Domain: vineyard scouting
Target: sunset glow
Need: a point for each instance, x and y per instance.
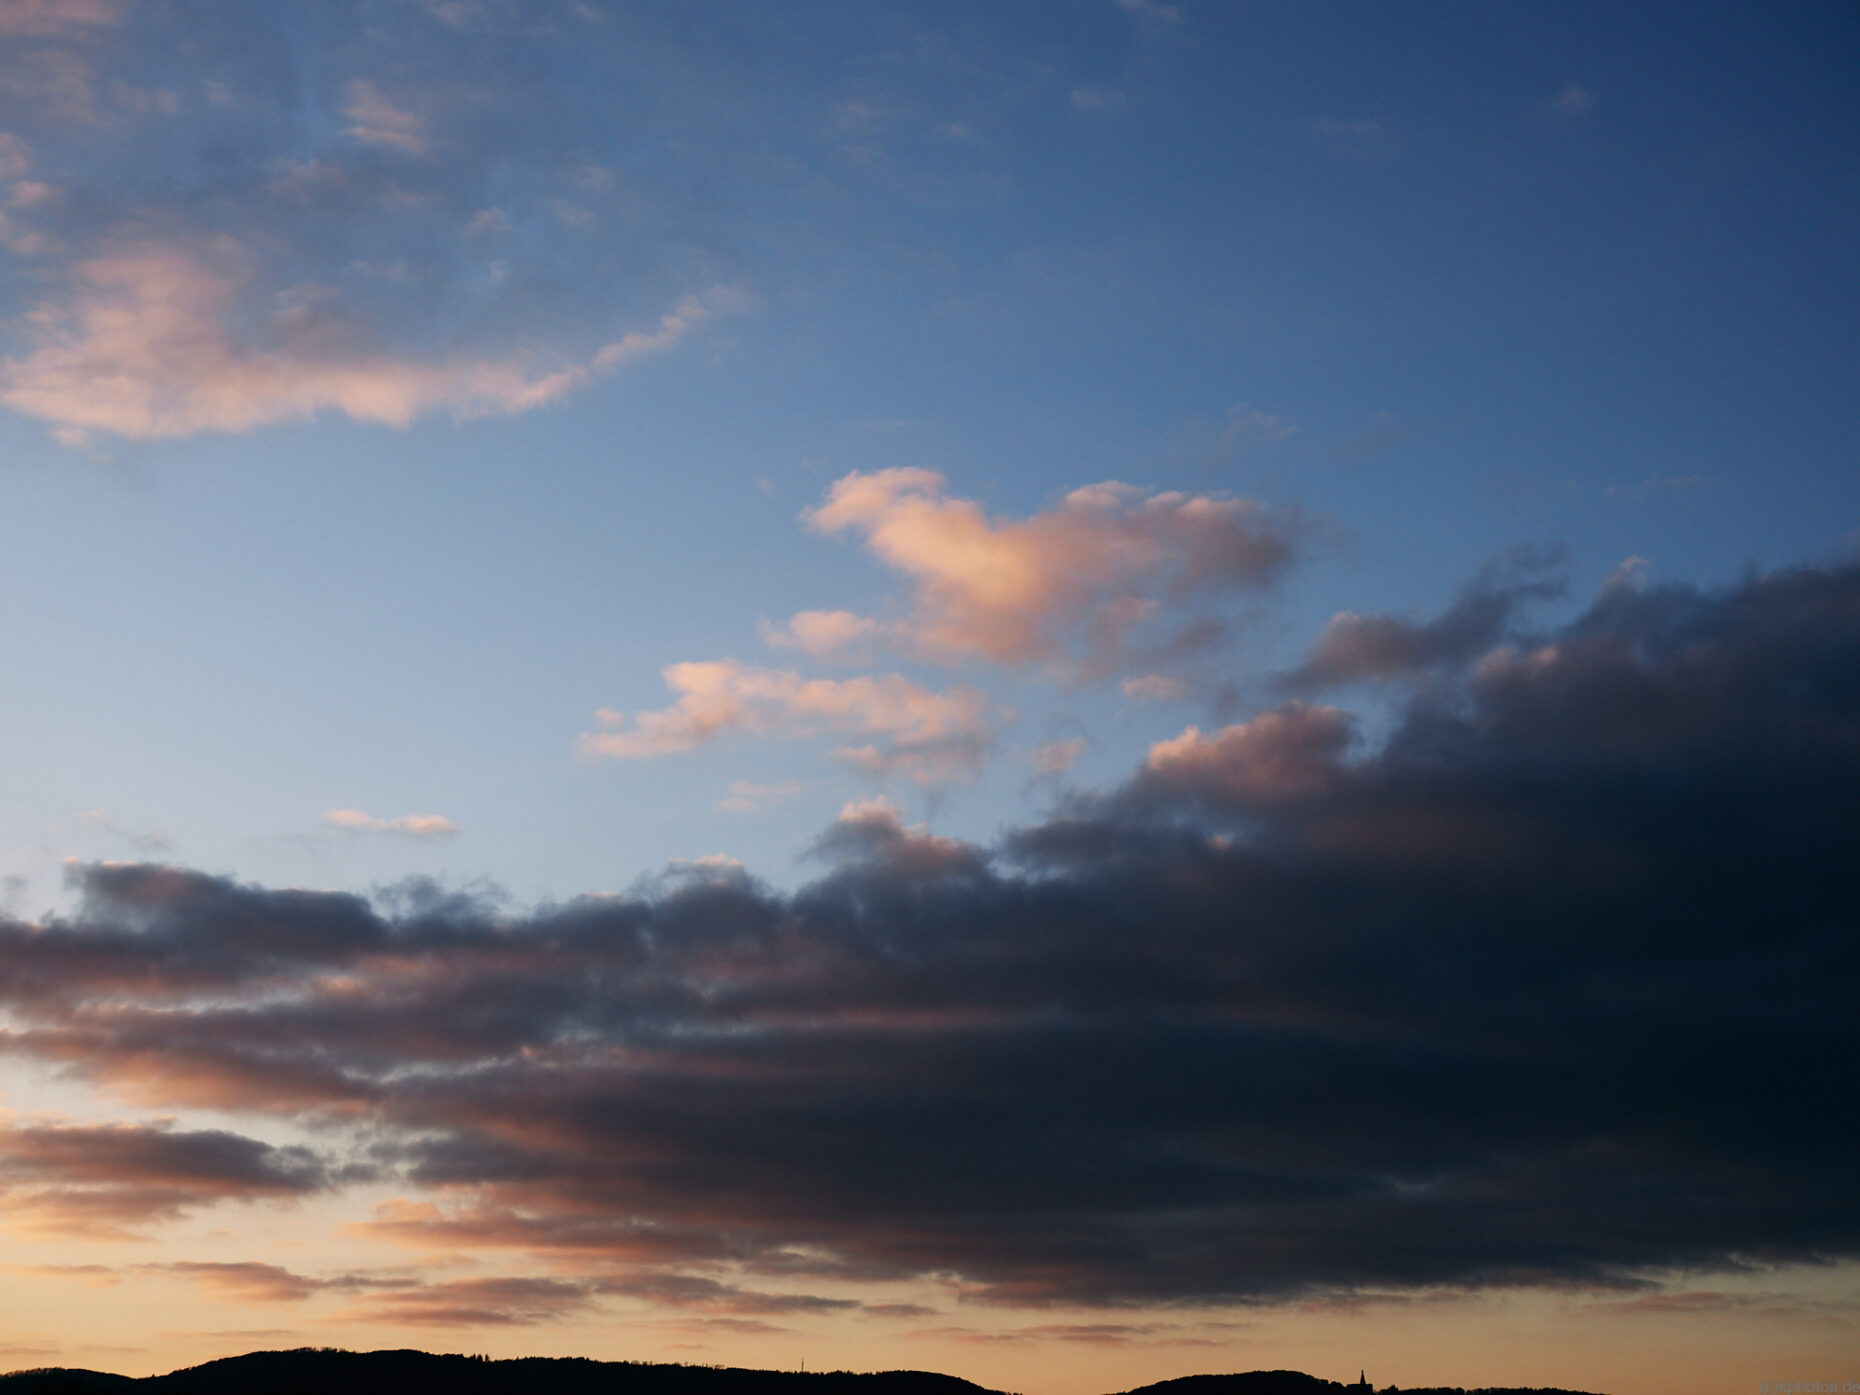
(1070, 693)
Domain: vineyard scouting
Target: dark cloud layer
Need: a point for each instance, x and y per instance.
(1559, 984)
(1356, 648)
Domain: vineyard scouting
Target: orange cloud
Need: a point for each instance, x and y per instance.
(1070, 585)
(95, 1180)
(42, 17)
(1290, 753)
(144, 346)
(415, 825)
(926, 735)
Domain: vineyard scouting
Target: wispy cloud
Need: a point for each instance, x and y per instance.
(142, 840)
(1154, 11)
(1093, 99)
(98, 1180)
(148, 342)
(1362, 138)
(50, 17)
(377, 121)
(927, 735)
(415, 825)
(1354, 647)
(748, 797)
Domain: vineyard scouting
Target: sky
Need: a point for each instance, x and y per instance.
(1069, 692)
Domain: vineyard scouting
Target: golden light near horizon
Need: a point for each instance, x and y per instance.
(1073, 693)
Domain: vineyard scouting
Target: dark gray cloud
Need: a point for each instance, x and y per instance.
(102, 1178)
(1559, 984)
(1354, 647)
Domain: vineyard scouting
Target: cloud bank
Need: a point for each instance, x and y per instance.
(1559, 984)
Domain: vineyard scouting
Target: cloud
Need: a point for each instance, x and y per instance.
(15, 157)
(1574, 100)
(748, 797)
(147, 343)
(1096, 99)
(1056, 757)
(414, 825)
(1157, 687)
(39, 18)
(478, 1302)
(1293, 753)
(821, 633)
(1356, 648)
(1070, 586)
(96, 1180)
(247, 1281)
(1537, 990)
(871, 833)
(926, 735)
(377, 121)
(1368, 138)
(149, 840)
(1153, 11)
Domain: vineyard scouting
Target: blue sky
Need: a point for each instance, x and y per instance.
(389, 390)
(1444, 283)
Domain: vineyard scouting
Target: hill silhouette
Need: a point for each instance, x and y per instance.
(314, 1371)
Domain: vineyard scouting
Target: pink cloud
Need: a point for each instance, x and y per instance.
(414, 825)
(143, 345)
(93, 1181)
(43, 17)
(821, 632)
(924, 734)
(1067, 586)
(1292, 752)
(1056, 757)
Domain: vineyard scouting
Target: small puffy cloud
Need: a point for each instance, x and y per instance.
(1056, 757)
(1096, 99)
(1574, 100)
(15, 157)
(488, 221)
(1068, 586)
(1630, 572)
(377, 121)
(1248, 428)
(1153, 11)
(1291, 753)
(871, 833)
(748, 797)
(926, 735)
(1156, 687)
(1366, 138)
(821, 632)
(155, 339)
(414, 825)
